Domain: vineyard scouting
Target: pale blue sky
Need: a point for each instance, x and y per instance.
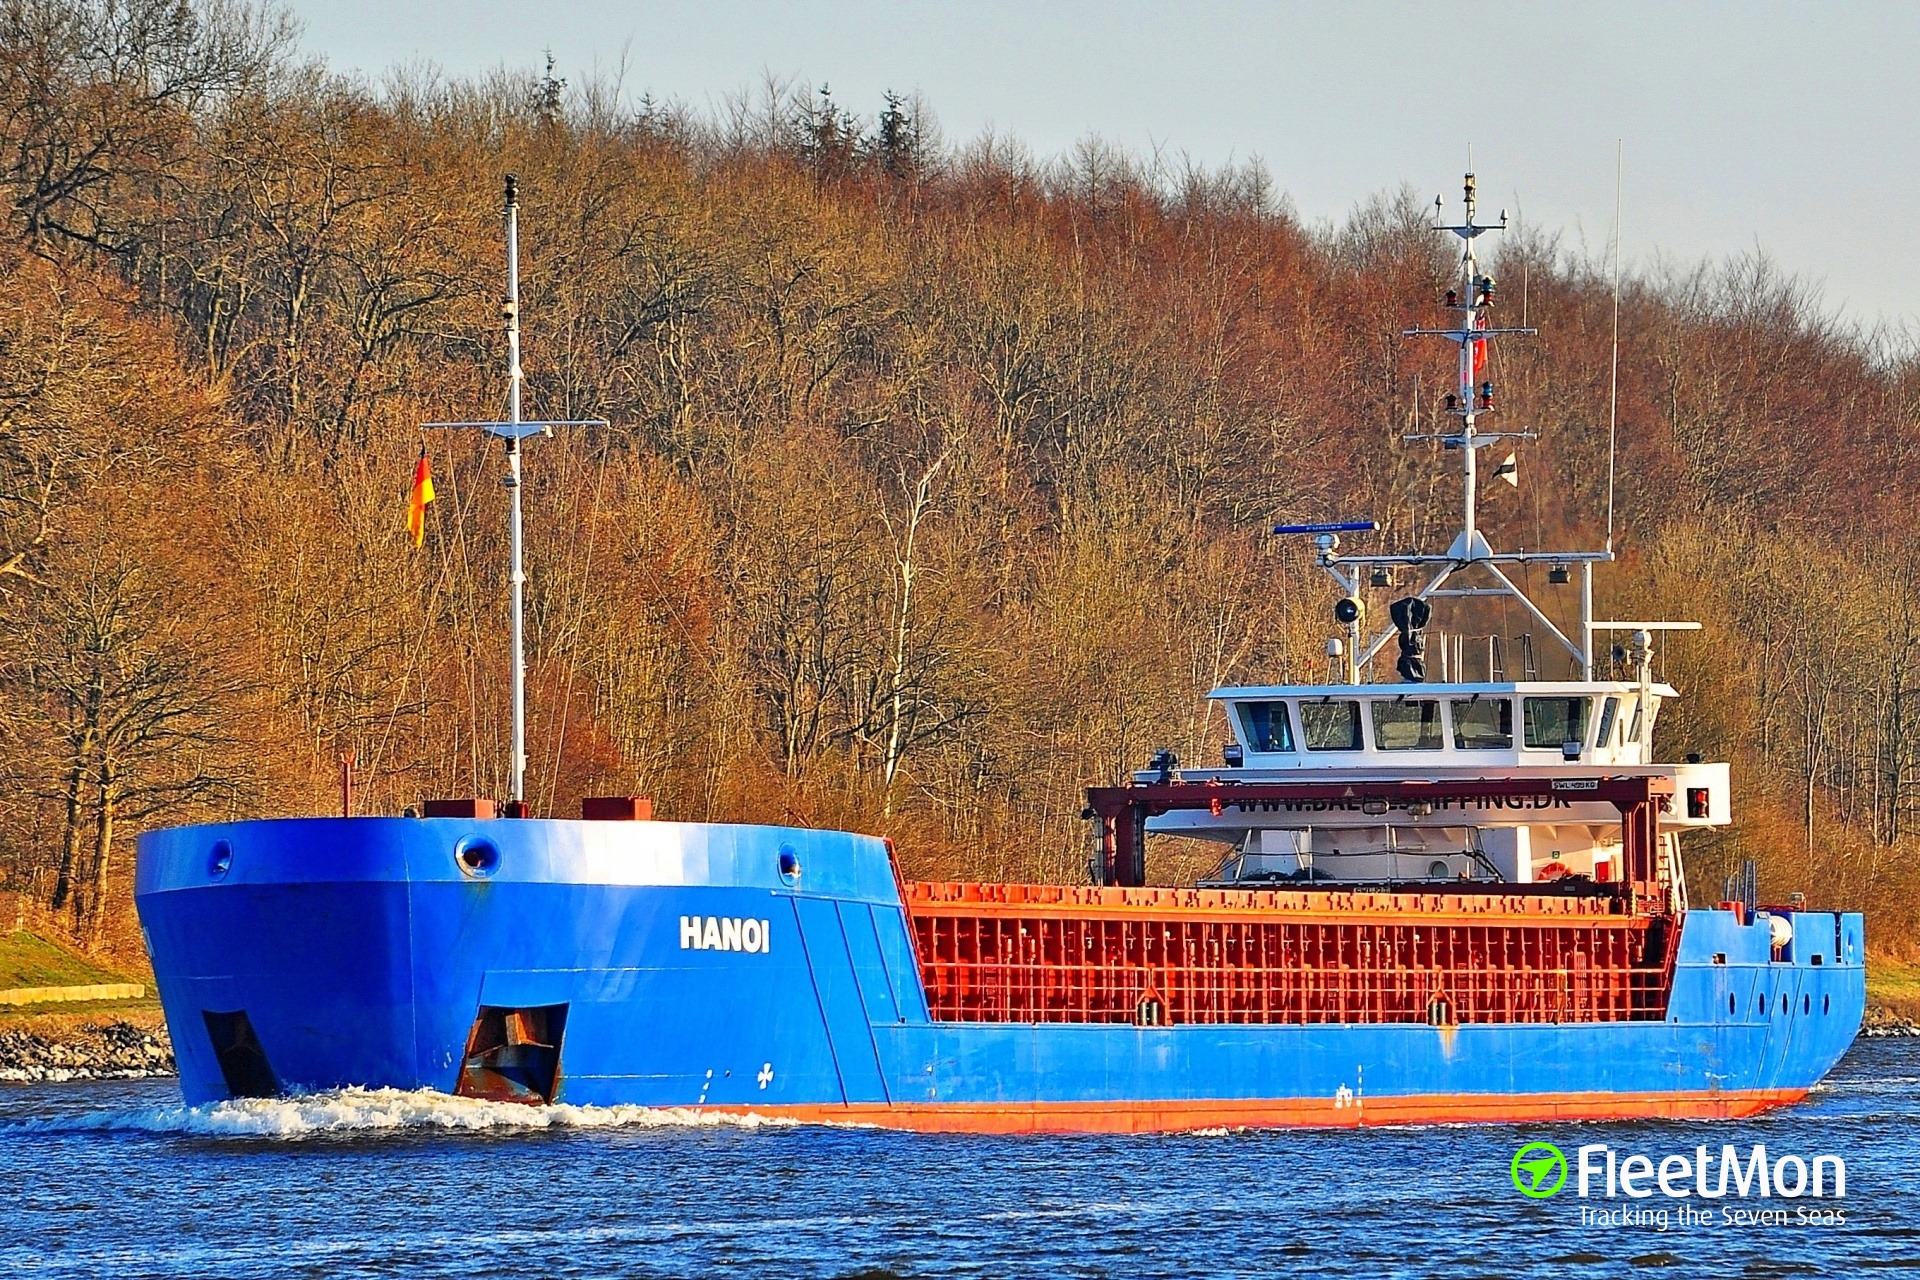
(1792, 127)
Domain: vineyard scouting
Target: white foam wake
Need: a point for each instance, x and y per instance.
(382, 1110)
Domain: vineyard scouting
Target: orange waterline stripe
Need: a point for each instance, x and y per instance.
(1167, 1116)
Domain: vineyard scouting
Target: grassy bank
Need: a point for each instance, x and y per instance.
(27, 960)
(1894, 985)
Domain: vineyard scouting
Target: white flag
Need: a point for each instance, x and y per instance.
(1509, 471)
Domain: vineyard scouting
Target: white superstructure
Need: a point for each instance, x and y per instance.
(1413, 729)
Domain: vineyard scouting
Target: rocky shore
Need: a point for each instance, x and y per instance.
(91, 1051)
(1885, 1022)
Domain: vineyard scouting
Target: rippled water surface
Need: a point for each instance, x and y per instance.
(120, 1180)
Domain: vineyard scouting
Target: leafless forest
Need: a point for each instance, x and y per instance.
(936, 484)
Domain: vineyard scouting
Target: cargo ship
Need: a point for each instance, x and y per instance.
(1437, 900)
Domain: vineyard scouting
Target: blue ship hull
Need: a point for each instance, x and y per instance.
(691, 971)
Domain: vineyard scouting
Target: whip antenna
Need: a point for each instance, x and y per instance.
(1613, 388)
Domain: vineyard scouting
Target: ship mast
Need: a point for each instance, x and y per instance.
(1473, 331)
(517, 573)
(1470, 304)
(513, 430)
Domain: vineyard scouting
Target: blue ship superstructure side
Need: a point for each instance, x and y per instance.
(773, 969)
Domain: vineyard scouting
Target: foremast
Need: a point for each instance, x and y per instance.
(513, 431)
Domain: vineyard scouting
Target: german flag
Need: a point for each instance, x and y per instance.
(422, 495)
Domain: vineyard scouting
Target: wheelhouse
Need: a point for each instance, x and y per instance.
(1444, 734)
(1470, 725)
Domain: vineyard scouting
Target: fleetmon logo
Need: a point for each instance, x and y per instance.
(1539, 1170)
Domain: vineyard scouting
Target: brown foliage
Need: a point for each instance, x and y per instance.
(935, 483)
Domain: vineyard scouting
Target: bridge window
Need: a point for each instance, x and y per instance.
(1407, 724)
(1609, 712)
(1552, 722)
(1330, 725)
(1266, 726)
(1483, 724)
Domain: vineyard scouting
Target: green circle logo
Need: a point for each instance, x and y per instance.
(1538, 1170)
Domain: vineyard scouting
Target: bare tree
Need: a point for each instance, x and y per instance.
(136, 707)
(97, 96)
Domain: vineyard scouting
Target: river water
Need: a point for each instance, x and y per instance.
(118, 1179)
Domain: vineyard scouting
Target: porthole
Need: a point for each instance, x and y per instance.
(1806, 1004)
(1826, 1005)
(477, 857)
(1783, 1002)
(219, 860)
(1760, 1003)
(1730, 1004)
